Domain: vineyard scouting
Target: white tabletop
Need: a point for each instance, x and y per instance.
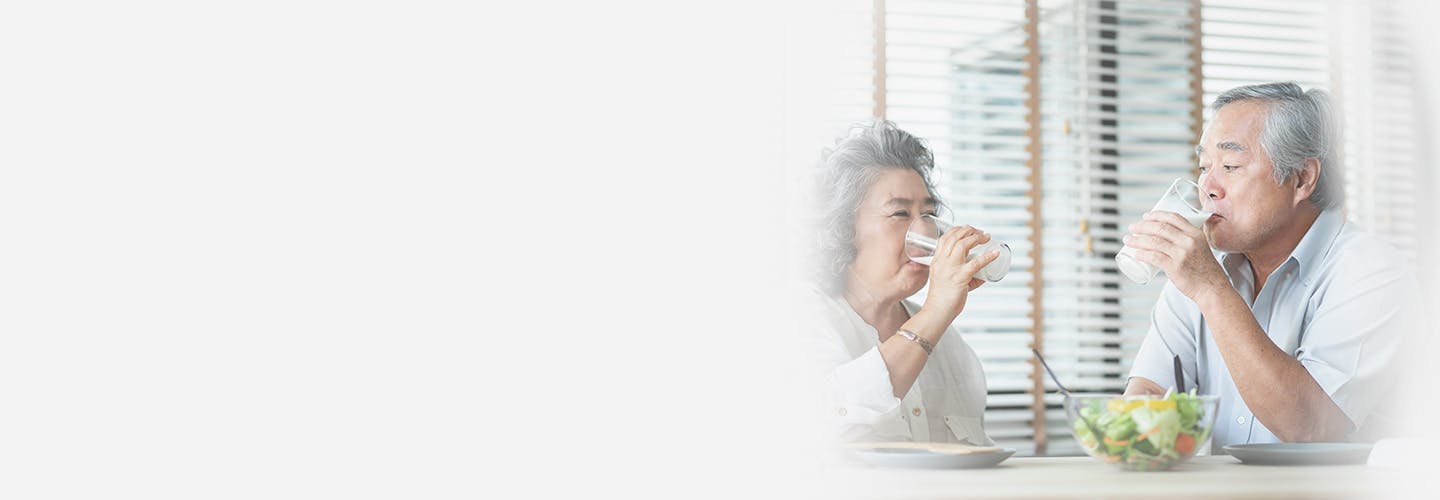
(1211, 478)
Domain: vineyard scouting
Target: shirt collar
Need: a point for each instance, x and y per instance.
(1313, 247)
(1319, 239)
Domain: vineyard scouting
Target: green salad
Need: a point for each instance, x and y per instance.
(1143, 434)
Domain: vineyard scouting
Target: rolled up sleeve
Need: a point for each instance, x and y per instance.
(855, 398)
(863, 401)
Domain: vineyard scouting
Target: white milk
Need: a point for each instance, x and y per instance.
(992, 272)
(1182, 198)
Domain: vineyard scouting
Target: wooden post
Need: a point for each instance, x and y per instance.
(1033, 162)
(1197, 81)
(878, 33)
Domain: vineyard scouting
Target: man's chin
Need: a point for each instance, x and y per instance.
(1221, 243)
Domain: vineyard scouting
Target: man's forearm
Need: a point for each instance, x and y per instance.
(1275, 386)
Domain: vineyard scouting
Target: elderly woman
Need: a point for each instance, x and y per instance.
(894, 370)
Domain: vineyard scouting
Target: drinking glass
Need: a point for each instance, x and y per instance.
(924, 235)
(1183, 197)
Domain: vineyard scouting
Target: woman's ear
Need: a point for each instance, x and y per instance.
(1306, 179)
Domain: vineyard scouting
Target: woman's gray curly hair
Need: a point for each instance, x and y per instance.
(847, 170)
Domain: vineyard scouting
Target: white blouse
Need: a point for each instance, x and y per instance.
(946, 404)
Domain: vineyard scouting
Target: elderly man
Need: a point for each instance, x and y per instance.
(1295, 318)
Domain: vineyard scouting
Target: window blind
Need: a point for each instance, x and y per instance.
(1376, 86)
(1247, 42)
(1117, 104)
(955, 77)
(1359, 52)
(1116, 126)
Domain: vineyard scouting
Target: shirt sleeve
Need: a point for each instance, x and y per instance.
(1172, 332)
(1355, 339)
(857, 402)
(864, 401)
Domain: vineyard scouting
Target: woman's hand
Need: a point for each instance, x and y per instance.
(951, 277)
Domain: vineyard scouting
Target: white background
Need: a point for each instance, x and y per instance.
(403, 249)
(391, 249)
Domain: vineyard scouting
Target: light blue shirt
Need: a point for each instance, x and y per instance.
(1343, 303)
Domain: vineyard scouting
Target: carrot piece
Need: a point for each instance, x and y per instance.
(1144, 435)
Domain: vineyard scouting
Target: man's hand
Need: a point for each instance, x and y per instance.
(1166, 240)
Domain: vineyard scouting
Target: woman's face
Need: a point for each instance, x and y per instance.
(884, 214)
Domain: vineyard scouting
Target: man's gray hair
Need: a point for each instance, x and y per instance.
(1299, 125)
(847, 170)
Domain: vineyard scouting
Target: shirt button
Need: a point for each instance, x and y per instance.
(1239, 420)
(843, 412)
(915, 412)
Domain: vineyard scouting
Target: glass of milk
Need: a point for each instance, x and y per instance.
(1183, 198)
(925, 233)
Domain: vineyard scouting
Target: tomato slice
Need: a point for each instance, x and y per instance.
(1184, 444)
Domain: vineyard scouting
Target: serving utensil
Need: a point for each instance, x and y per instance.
(1094, 431)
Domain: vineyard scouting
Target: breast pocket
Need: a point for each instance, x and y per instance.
(967, 429)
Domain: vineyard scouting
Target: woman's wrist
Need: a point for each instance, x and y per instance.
(944, 313)
(929, 324)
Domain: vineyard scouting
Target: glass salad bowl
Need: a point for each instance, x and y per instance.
(1141, 432)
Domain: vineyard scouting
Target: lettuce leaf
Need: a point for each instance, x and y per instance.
(1162, 426)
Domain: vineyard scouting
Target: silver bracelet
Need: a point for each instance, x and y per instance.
(911, 336)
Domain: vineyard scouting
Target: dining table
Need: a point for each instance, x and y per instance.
(1208, 477)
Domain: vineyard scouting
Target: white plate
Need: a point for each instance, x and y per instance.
(925, 459)
(1301, 453)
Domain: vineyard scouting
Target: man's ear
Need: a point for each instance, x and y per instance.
(1306, 179)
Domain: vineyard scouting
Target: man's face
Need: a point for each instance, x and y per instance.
(1237, 181)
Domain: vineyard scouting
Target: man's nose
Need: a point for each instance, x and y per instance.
(1210, 188)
